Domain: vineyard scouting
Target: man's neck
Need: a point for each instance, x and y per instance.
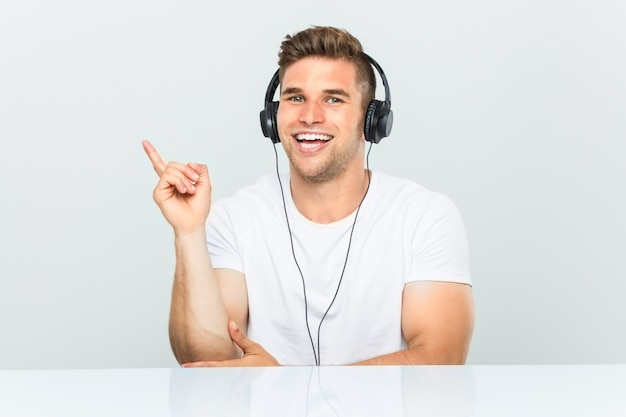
(329, 201)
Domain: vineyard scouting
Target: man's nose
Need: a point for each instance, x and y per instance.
(311, 113)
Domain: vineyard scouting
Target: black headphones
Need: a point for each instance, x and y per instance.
(378, 118)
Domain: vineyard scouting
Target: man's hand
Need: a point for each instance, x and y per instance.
(183, 192)
(253, 353)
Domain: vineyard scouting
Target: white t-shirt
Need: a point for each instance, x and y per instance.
(403, 233)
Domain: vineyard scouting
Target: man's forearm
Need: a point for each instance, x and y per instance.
(198, 319)
(417, 356)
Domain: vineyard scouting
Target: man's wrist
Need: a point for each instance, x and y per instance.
(190, 236)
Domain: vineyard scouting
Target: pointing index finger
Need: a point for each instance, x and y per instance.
(155, 158)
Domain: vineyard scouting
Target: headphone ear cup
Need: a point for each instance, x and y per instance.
(269, 126)
(370, 122)
(378, 121)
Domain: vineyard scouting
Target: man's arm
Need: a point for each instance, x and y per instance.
(437, 324)
(204, 300)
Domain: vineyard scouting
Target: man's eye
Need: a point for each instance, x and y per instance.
(334, 100)
(297, 99)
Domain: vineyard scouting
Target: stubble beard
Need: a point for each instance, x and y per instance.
(336, 164)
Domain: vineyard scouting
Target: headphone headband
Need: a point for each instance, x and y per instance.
(378, 117)
(382, 77)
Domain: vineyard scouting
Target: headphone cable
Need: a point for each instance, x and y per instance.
(317, 353)
(293, 252)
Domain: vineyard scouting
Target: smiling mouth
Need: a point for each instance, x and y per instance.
(312, 140)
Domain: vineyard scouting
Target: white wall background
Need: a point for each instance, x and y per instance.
(515, 109)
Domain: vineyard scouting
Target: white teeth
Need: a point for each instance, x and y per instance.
(309, 145)
(313, 136)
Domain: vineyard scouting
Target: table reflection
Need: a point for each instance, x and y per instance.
(323, 391)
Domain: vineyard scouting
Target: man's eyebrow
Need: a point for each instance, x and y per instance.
(291, 90)
(330, 91)
(337, 92)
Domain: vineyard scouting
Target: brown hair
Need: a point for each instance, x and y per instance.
(329, 42)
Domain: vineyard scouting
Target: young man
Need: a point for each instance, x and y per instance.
(329, 264)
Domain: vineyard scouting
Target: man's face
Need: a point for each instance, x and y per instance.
(320, 118)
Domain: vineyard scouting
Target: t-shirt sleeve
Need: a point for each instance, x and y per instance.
(439, 244)
(221, 240)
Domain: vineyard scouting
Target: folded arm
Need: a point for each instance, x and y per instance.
(437, 324)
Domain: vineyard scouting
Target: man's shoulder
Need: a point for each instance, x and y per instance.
(405, 191)
(401, 187)
(264, 191)
(264, 185)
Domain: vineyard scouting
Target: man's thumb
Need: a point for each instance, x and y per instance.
(239, 337)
